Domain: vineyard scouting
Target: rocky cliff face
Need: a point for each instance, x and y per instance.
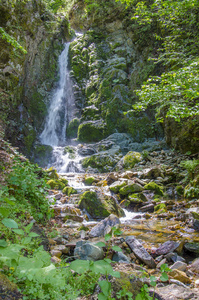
(108, 63)
(27, 79)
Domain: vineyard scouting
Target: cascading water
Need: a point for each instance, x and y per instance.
(61, 111)
(61, 108)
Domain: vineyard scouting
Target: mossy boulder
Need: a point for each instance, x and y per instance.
(160, 208)
(154, 187)
(71, 151)
(130, 188)
(8, 289)
(131, 158)
(92, 131)
(104, 162)
(99, 207)
(52, 173)
(68, 190)
(56, 184)
(116, 186)
(89, 180)
(137, 198)
(72, 128)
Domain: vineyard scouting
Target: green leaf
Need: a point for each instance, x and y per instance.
(18, 231)
(3, 243)
(107, 237)
(4, 211)
(101, 296)
(101, 267)
(28, 227)
(164, 277)
(105, 287)
(100, 244)
(116, 248)
(10, 223)
(80, 266)
(33, 234)
(115, 274)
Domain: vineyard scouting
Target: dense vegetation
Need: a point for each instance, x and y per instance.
(176, 25)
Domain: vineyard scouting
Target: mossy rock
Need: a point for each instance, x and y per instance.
(99, 207)
(131, 188)
(92, 131)
(68, 190)
(8, 289)
(137, 198)
(116, 186)
(52, 173)
(72, 128)
(180, 190)
(56, 184)
(160, 208)
(131, 158)
(89, 180)
(71, 151)
(154, 187)
(63, 180)
(104, 162)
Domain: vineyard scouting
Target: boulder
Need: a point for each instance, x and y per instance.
(194, 267)
(92, 131)
(140, 252)
(177, 292)
(131, 187)
(167, 247)
(8, 289)
(121, 258)
(117, 185)
(88, 251)
(179, 265)
(192, 247)
(131, 158)
(102, 227)
(99, 207)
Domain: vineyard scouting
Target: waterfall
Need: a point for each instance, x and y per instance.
(61, 111)
(62, 106)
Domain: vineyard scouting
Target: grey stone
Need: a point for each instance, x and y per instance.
(147, 208)
(88, 251)
(179, 265)
(167, 247)
(120, 257)
(101, 228)
(140, 252)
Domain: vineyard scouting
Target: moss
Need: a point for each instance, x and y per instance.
(56, 184)
(52, 173)
(93, 205)
(130, 188)
(71, 150)
(29, 140)
(154, 187)
(179, 190)
(89, 180)
(131, 158)
(102, 162)
(137, 198)
(63, 180)
(71, 130)
(91, 131)
(68, 190)
(160, 208)
(116, 186)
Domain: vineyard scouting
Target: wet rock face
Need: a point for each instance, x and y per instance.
(107, 66)
(29, 78)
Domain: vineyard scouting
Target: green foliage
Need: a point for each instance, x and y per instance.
(25, 190)
(174, 25)
(11, 40)
(190, 166)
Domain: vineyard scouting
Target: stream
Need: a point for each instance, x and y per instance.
(134, 222)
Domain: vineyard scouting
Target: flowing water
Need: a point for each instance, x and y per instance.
(61, 111)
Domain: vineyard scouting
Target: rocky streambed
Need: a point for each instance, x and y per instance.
(144, 196)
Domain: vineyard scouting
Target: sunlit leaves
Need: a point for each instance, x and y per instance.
(177, 91)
